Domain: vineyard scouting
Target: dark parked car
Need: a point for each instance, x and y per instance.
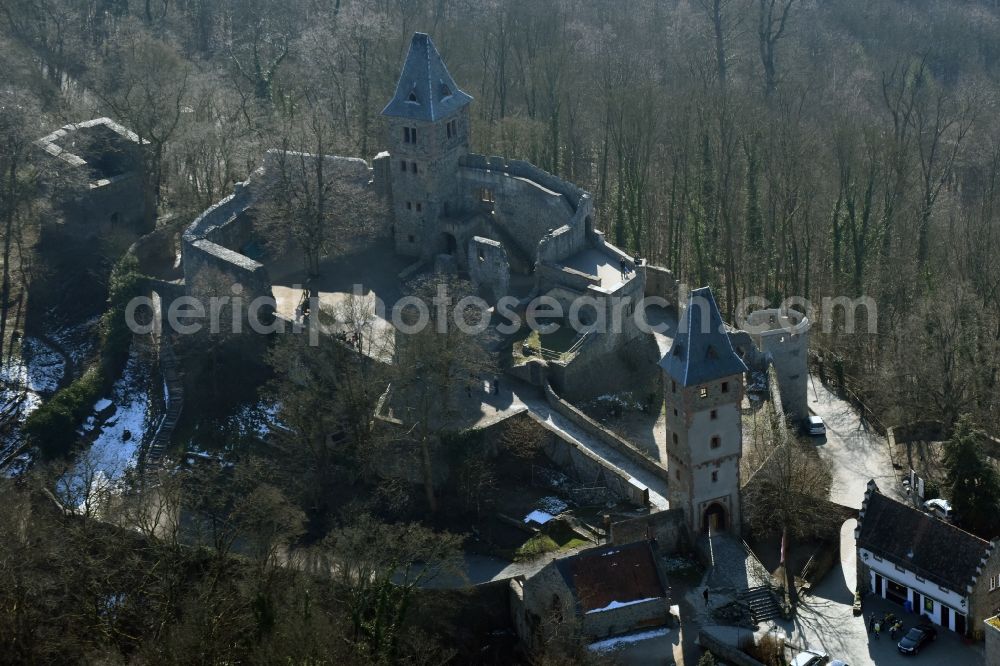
(916, 638)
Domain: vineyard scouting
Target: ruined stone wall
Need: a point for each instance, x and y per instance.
(596, 369)
(660, 282)
(489, 269)
(525, 210)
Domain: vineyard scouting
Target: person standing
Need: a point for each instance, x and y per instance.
(878, 627)
(871, 622)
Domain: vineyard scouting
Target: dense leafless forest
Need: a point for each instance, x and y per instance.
(766, 147)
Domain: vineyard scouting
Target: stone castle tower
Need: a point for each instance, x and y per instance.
(428, 132)
(703, 388)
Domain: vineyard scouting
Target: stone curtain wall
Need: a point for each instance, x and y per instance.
(215, 238)
(598, 431)
(669, 528)
(584, 467)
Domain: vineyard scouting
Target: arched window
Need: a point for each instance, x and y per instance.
(413, 97)
(445, 90)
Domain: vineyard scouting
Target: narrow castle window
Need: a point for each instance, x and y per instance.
(714, 414)
(675, 438)
(673, 387)
(716, 442)
(409, 205)
(725, 387)
(703, 391)
(413, 167)
(486, 195)
(402, 166)
(715, 477)
(419, 206)
(409, 135)
(406, 135)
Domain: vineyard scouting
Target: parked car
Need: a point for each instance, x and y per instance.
(939, 507)
(814, 426)
(916, 638)
(810, 658)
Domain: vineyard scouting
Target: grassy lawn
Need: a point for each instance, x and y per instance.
(558, 538)
(558, 342)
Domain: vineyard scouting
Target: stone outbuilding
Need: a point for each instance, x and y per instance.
(596, 593)
(926, 564)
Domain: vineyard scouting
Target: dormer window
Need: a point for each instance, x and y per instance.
(677, 349)
(412, 97)
(445, 91)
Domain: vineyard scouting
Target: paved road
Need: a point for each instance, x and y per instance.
(856, 452)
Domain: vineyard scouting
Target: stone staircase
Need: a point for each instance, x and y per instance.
(761, 601)
(174, 390)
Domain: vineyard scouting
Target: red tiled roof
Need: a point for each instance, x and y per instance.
(600, 576)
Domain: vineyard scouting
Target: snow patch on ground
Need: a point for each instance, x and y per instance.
(37, 368)
(620, 604)
(620, 641)
(116, 445)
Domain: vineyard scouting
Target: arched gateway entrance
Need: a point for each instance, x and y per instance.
(715, 518)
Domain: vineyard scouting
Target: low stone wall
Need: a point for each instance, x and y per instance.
(729, 653)
(598, 431)
(668, 528)
(991, 629)
(650, 613)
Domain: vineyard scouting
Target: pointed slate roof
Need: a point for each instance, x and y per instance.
(425, 90)
(701, 351)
